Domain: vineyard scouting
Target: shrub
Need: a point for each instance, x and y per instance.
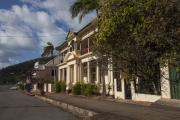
(52, 82)
(58, 87)
(63, 85)
(88, 89)
(77, 88)
(83, 89)
(21, 86)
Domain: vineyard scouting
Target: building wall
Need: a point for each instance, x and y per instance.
(78, 69)
(40, 74)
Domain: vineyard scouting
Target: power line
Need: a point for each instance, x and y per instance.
(35, 36)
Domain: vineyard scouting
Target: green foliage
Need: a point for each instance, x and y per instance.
(88, 89)
(83, 7)
(63, 86)
(58, 87)
(52, 81)
(142, 33)
(77, 89)
(48, 50)
(21, 87)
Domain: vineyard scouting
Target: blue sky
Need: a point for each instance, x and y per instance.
(27, 25)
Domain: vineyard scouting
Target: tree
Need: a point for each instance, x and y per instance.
(49, 50)
(83, 7)
(143, 33)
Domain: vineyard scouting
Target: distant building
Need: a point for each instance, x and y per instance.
(46, 71)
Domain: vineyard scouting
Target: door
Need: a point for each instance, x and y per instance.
(127, 90)
(175, 83)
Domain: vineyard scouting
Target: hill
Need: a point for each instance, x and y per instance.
(15, 73)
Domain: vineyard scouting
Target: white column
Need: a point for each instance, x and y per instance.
(88, 72)
(75, 73)
(97, 74)
(110, 77)
(112, 82)
(68, 82)
(63, 77)
(78, 73)
(165, 83)
(68, 75)
(71, 77)
(123, 88)
(132, 90)
(81, 72)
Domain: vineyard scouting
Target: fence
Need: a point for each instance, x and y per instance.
(148, 87)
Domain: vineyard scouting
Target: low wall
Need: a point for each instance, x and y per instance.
(35, 87)
(145, 97)
(50, 87)
(45, 87)
(119, 94)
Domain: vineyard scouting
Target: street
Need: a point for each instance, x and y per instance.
(15, 105)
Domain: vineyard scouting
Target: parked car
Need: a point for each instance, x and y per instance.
(19, 83)
(14, 88)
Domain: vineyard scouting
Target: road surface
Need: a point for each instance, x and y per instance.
(15, 105)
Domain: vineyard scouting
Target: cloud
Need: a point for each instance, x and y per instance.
(29, 27)
(59, 10)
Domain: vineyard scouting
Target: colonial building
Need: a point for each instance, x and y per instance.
(75, 67)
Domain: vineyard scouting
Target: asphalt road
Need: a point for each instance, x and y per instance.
(15, 105)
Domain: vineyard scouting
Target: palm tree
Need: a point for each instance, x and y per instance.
(83, 7)
(49, 50)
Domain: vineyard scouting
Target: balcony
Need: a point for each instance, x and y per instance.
(85, 51)
(91, 48)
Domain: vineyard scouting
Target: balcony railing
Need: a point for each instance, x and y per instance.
(91, 48)
(85, 51)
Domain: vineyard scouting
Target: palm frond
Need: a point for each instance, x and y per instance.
(76, 8)
(48, 50)
(83, 7)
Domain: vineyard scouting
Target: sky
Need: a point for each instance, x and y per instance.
(27, 25)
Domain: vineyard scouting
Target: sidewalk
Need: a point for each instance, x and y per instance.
(168, 102)
(109, 109)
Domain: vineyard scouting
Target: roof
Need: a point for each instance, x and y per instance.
(73, 33)
(70, 34)
(56, 61)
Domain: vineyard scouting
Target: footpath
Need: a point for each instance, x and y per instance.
(97, 108)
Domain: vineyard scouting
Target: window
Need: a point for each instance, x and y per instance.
(52, 72)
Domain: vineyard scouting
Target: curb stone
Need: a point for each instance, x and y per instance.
(76, 110)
